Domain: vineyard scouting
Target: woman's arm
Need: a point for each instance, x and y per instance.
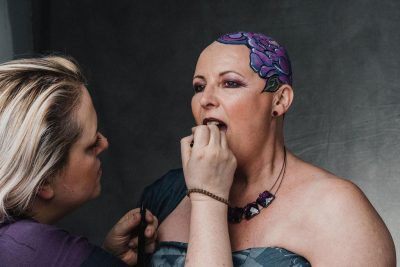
(209, 243)
(209, 165)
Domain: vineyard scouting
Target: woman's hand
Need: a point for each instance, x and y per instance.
(209, 164)
(122, 240)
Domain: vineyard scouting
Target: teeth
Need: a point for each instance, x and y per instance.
(213, 123)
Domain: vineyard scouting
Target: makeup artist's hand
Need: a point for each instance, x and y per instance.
(209, 164)
(122, 240)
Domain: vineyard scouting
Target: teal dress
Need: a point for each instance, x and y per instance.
(162, 197)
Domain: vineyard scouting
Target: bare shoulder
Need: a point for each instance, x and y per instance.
(176, 226)
(348, 231)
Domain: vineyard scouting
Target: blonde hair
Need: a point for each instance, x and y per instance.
(38, 98)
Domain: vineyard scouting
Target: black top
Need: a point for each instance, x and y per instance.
(164, 195)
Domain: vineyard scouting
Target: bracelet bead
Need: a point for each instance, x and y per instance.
(207, 193)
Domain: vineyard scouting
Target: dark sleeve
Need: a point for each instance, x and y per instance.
(164, 195)
(100, 258)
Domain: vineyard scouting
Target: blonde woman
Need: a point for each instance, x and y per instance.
(49, 166)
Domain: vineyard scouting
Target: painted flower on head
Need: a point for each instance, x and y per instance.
(267, 57)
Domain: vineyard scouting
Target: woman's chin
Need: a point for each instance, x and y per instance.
(98, 191)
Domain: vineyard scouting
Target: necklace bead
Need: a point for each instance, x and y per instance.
(251, 210)
(265, 198)
(235, 214)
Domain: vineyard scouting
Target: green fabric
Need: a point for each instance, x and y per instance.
(172, 254)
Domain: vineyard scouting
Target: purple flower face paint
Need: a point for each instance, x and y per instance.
(267, 58)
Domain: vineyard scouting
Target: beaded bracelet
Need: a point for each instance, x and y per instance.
(205, 192)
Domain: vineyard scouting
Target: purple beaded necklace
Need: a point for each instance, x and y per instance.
(235, 214)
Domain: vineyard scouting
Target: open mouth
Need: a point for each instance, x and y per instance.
(212, 121)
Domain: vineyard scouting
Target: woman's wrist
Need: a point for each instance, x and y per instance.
(202, 195)
(198, 199)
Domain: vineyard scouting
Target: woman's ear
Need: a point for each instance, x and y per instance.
(46, 191)
(282, 100)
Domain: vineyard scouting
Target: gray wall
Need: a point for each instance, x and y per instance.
(20, 16)
(140, 55)
(16, 35)
(6, 50)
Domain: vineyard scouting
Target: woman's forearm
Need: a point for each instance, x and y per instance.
(209, 243)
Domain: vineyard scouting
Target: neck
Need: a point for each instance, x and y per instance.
(259, 171)
(261, 164)
(44, 212)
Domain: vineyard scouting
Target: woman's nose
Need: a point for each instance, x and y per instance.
(104, 143)
(208, 98)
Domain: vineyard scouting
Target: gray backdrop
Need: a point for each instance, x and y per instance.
(139, 57)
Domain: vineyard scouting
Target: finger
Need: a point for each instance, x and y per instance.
(133, 243)
(224, 142)
(215, 139)
(154, 221)
(129, 257)
(149, 216)
(186, 149)
(150, 247)
(201, 136)
(150, 232)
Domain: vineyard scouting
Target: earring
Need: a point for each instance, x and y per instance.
(274, 113)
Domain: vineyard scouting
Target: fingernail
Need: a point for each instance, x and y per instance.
(148, 231)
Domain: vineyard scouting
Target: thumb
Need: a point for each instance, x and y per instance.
(186, 149)
(128, 222)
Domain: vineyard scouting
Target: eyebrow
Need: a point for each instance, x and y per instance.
(199, 77)
(229, 71)
(221, 74)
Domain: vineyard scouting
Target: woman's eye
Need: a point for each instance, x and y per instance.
(232, 84)
(198, 88)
